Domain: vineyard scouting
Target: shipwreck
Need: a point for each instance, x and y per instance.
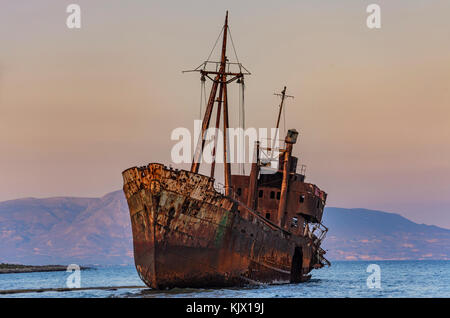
(256, 228)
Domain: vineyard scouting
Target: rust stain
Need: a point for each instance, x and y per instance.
(185, 233)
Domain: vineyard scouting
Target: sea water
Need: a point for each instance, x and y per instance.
(342, 279)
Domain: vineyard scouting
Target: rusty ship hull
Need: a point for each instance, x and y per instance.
(264, 227)
(186, 234)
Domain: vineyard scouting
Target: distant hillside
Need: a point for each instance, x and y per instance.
(98, 231)
(66, 230)
(360, 234)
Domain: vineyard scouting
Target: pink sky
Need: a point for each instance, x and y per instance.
(79, 106)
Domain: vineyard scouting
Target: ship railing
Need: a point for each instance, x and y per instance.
(315, 190)
(214, 66)
(306, 231)
(219, 187)
(316, 232)
(235, 198)
(320, 256)
(270, 152)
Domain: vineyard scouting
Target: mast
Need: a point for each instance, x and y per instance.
(220, 82)
(226, 159)
(220, 78)
(205, 124)
(227, 171)
(283, 96)
(290, 140)
(219, 108)
(253, 182)
(222, 89)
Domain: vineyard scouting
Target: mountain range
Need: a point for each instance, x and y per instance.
(65, 230)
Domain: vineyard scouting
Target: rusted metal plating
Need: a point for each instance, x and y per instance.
(185, 233)
(262, 229)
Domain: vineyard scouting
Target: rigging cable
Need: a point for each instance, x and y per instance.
(215, 44)
(284, 120)
(242, 121)
(234, 48)
(241, 105)
(202, 95)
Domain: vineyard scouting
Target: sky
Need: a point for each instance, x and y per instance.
(79, 106)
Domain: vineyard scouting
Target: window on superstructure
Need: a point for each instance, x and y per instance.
(272, 194)
(302, 198)
(268, 216)
(239, 191)
(261, 192)
(278, 195)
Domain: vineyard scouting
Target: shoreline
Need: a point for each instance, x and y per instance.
(18, 268)
(63, 289)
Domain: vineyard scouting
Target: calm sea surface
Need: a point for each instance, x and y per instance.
(342, 279)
